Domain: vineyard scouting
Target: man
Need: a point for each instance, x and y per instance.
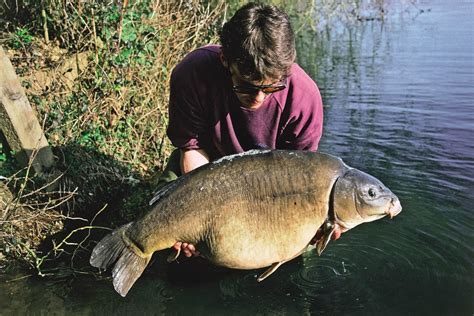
(246, 94)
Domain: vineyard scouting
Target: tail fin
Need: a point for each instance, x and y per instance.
(128, 265)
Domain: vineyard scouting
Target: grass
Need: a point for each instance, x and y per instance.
(97, 76)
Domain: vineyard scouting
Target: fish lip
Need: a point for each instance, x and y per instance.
(395, 208)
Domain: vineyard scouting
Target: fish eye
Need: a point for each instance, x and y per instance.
(372, 192)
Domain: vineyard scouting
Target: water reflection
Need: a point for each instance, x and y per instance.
(400, 106)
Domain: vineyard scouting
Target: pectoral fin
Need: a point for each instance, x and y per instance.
(324, 240)
(270, 270)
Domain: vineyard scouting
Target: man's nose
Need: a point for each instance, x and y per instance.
(259, 96)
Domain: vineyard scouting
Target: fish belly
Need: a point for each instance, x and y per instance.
(255, 235)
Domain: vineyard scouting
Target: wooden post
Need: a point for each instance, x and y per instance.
(18, 121)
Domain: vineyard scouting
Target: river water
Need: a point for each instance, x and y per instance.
(399, 98)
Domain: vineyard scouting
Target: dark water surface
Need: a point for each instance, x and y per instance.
(399, 101)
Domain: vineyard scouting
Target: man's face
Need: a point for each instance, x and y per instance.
(252, 98)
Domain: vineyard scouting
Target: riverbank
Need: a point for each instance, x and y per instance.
(97, 77)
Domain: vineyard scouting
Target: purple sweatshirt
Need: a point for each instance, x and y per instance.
(204, 112)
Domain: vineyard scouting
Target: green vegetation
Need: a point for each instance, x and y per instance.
(21, 38)
(97, 76)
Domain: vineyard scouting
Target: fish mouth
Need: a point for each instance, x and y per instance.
(395, 208)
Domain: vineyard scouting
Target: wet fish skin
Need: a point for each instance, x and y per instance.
(269, 193)
(244, 211)
(361, 198)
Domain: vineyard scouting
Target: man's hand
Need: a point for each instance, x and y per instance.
(188, 249)
(335, 235)
(337, 232)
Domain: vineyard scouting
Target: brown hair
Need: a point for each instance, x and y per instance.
(260, 41)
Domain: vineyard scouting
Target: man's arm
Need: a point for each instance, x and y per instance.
(192, 159)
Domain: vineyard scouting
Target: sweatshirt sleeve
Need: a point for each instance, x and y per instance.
(187, 124)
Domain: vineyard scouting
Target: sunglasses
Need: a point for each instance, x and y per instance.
(249, 88)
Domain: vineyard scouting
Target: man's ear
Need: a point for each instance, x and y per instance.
(223, 59)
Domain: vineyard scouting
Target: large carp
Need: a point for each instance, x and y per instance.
(248, 211)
